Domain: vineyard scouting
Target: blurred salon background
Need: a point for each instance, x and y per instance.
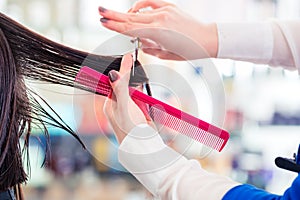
(261, 108)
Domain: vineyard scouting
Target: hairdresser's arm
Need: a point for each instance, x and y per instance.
(274, 43)
(165, 31)
(116, 107)
(169, 33)
(164, 172)
(168, 175)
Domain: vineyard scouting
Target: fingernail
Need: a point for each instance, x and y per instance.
(113, 76)
(101, 9)
(104, 20)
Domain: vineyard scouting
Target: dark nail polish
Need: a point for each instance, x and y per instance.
(101, 9)
(113, 76)
(103, 20)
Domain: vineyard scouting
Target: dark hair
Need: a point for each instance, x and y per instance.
(26, 54)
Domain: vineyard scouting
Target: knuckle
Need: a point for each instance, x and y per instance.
(164, 16)
(127, 26)
(171, 5)
(130, 18)
(170, 9)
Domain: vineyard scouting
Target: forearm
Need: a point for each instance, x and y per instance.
(272, 43)
(144, 154)
(166, 173)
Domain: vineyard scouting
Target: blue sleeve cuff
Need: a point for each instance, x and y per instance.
(249, 192)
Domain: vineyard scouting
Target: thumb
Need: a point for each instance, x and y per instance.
(119, 85)
(148, 3)
(119, 81)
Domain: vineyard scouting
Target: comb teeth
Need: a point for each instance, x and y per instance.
(161, 112)
(188, 129)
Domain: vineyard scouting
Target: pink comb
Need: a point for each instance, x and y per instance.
(165, 114)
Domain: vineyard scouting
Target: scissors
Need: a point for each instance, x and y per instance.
(136, 42)
(289, 164)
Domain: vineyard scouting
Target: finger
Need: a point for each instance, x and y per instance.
(162, 54)
(111, 97)
(152, 48)
(149, 3)
(107, 108)
(144, 11)
(133, 30)
(120, 80)
(126, 17)
(126, 65)
(114, 79)
(143, 107)
(149, 44)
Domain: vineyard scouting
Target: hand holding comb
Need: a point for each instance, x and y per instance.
(165, 114)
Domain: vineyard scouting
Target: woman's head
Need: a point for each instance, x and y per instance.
(27, 55)
(14, 106)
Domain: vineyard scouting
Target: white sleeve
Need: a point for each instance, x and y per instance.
(275, 43)
(166, 173)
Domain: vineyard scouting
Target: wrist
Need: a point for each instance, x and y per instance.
(251, 41)
(214, 43)
(208, 39)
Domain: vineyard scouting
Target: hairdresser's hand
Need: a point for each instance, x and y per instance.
(122, 113)
(165, 31)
